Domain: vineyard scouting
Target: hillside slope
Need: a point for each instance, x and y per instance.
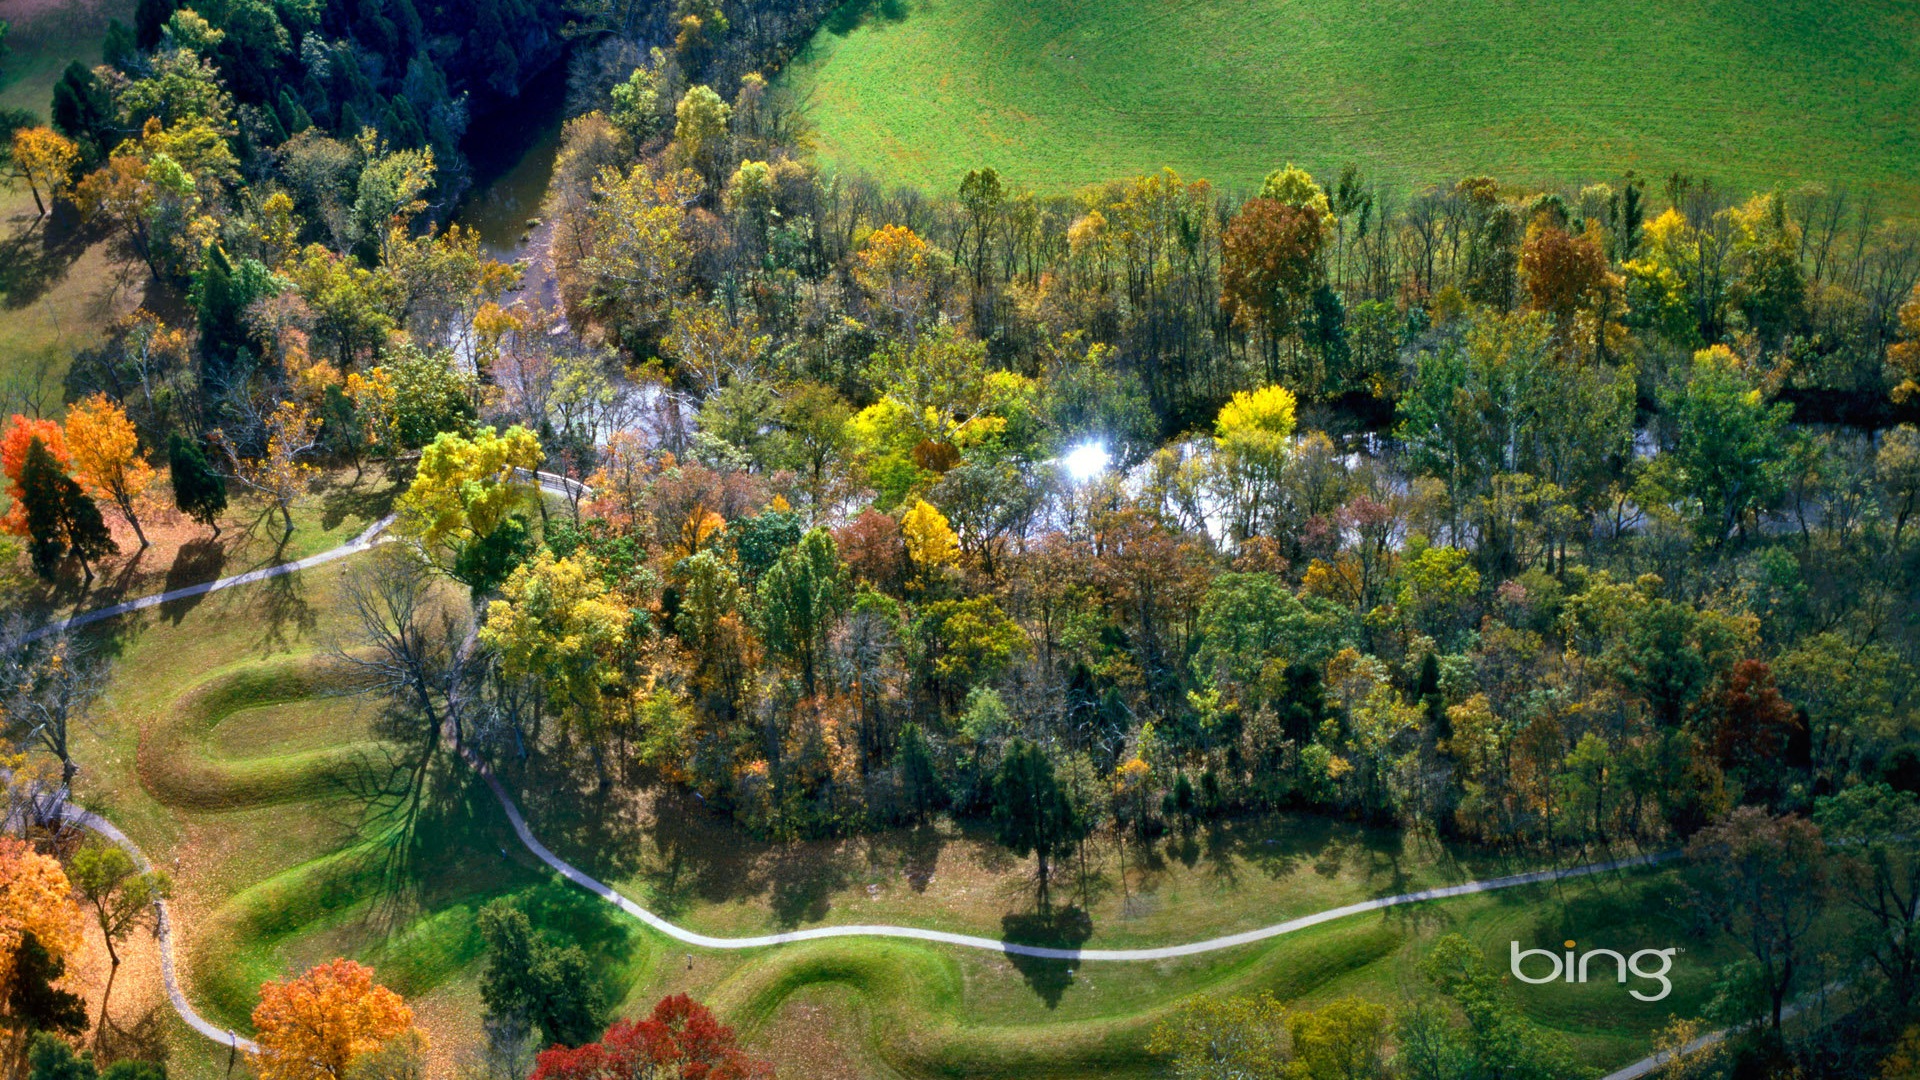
(1060, 93)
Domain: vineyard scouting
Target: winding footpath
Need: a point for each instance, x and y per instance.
(162, 932)
(87, 819)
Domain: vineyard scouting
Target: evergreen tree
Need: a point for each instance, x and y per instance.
(1031, 812)
(920, 785)
(51, 1058)
(83, 111)
(149, 18)
(61, 520)
(34, 1002)
(198, 491)
(1432, 700)
(530, 977)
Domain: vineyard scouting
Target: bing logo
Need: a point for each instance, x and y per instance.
(1575, 967)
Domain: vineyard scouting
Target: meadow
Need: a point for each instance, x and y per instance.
(1057, 94)
(60, 286)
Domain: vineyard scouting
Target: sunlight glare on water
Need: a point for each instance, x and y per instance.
(1086, 461)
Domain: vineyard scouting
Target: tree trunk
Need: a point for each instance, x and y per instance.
(137, 530)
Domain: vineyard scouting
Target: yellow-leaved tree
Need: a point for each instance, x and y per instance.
(558, 623)
(314, 1027)
(465, 487)
(45, 159)
(930, 540)
(106, 455)
(1254, 436)
(278, 472)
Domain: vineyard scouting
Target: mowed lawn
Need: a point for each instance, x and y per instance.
(1057, 94)
(60, 286)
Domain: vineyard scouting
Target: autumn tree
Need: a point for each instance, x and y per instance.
(35, 901)
(198, 491)
(635, 260)
(314, 1027)
(1253, 434)
(559, 626)
(679, 1040)
(1564, 273)
(20, 435)
(60, 519)
(277, 470)
(1269, 268)
(123, 897)
(1215, 1036)
(1904, 354)
(45, 159)
(467, 487)
(700, 132)
(930, 541)
(899, 273)
(106, 455)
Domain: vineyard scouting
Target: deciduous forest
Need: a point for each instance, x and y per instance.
(1538, 525)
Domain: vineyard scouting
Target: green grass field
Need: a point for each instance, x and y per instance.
(59, 287)
(1061, 93)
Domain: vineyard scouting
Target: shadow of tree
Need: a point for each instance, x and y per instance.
(1053, 928)
(916, 851)
(361, 499)
(37, 256)
(196, 562)
(801, 885)
(854, 14)
(284, 612)
(143, 1040)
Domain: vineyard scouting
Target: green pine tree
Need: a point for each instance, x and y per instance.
(198, 491)
(61, 520)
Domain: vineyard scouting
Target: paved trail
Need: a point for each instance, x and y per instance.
(352, 547)
(90, 820)
(163, 931)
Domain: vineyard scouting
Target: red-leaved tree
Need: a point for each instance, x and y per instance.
(680, 1041)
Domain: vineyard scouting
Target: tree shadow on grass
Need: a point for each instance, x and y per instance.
(284, 613)
(362, 500)
(1053, 928)
(197, 562)
(36, 257)
(915, 850)
(854, 14)
(802, 884)
(145, 1039)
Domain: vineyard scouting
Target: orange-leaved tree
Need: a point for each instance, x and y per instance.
(20, 433)
(315, 1026)
(36, 899)
(106, 454)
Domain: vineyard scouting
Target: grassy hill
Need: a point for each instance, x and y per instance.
(1062, 93)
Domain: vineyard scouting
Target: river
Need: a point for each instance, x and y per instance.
(512, 153)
